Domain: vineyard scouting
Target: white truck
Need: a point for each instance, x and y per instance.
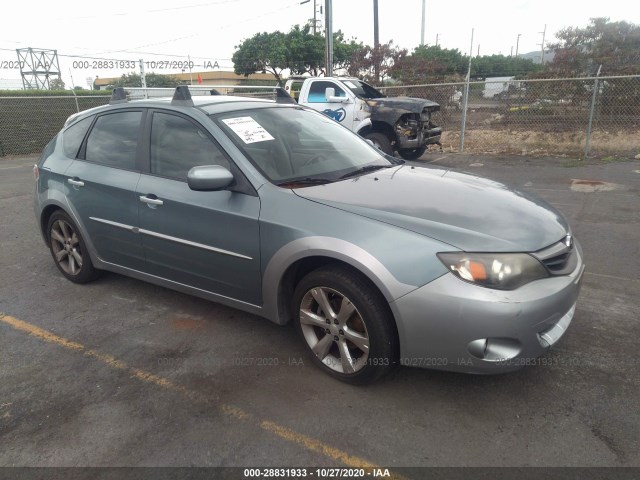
(401, 124)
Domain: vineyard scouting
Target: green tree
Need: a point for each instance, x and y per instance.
(56, 84)
(371, 62)
(153, 80)
(501, 66)
(298, 50)
(430, 63)
(264, 52)
(580, 51)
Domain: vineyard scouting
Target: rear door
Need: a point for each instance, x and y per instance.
(207, 240)
(102, 184)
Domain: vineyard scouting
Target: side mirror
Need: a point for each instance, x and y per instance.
(209, 178)
(330, 96)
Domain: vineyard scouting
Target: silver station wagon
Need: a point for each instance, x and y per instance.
(279, 211)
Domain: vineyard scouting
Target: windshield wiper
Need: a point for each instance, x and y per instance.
(305, 181)
(363, 170)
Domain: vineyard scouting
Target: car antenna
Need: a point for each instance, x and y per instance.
(118, 96)
(182, 96)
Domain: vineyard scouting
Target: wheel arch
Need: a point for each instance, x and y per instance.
(302, 256)
(53, 205)
(46, 214)
(379, 127)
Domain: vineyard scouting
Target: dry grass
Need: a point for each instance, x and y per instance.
(542, 144)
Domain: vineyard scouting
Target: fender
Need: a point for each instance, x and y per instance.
(317, 246)
(363, 124)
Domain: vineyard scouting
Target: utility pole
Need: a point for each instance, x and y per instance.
(424, 6)
(517, 44)
(376, 39)
(542, 44)
(315, 20)
(437, 37)
(466, 97)
(478, 51)
(328, 20)
(143, 80)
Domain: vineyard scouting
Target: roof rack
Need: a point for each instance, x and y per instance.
(281, 94)
(182, 96)
(118, 96)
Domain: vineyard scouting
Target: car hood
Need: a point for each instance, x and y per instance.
(468, 212)
(408, 104)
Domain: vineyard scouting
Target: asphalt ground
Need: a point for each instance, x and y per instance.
(123, 373)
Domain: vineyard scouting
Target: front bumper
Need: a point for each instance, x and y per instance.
(427, 135)
(452, 325)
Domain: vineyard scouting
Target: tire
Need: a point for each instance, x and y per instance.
(68, 249)
(358, 317)
(412, 153)
(381, 142)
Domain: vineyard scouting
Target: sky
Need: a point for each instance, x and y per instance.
(83, 33)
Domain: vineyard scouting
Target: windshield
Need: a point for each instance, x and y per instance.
(362, 89)
(289, 144)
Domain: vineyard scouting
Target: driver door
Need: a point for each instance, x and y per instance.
(340, 112)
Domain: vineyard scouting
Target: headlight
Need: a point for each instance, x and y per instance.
(502, 271)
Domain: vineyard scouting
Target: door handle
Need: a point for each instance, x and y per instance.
(76, 182)
(151, 200)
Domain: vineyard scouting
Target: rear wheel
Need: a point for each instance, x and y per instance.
(412, 153)
(381, 142)
(69, 250)
(345, 324)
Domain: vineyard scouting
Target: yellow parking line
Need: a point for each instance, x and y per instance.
(280, 431)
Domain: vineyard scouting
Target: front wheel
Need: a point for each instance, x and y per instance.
(346, 325)
(381, 142)
(412, 153)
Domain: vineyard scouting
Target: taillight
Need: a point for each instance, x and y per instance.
(36, 172)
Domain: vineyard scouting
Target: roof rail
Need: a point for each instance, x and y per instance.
(118, 96)
(182, 96)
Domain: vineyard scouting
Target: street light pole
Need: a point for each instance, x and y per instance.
(422, 29)
(376, 40)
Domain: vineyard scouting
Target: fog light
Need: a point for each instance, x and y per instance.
(477, 348)
(494, 349)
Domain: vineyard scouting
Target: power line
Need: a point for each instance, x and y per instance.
(156, 10)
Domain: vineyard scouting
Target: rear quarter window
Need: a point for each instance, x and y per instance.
(72, 137)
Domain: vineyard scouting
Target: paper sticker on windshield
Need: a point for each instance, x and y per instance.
(248, 129)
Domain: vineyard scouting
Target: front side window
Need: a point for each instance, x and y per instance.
(318, 89)
(362, 89)
(113, 140)
(177, 145)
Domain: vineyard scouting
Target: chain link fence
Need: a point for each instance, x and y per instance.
(27, 123)
(597, 117)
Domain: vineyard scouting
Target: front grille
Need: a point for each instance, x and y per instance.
(557, 263)
(559, 258)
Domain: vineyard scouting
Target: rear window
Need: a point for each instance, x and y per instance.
(73, 136)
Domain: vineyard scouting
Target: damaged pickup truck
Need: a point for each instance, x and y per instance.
(401, 124)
